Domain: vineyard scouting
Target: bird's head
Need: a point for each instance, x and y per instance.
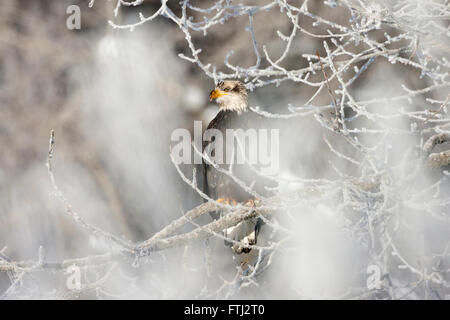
(230, 95)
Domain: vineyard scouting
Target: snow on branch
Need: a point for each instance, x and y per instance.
(384, 191)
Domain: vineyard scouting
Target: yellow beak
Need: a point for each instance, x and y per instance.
(216, 93)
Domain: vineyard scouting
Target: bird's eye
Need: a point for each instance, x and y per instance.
(226, 89)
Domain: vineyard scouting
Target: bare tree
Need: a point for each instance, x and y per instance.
(376, 82)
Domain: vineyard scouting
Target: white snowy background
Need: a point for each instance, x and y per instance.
(357, 192)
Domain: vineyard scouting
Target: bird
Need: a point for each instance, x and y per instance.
(234, 114)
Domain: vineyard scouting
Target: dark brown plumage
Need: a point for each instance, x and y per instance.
(233, 114)
(219, 185)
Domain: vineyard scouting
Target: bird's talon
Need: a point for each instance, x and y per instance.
(252, 202)
(227, 201)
